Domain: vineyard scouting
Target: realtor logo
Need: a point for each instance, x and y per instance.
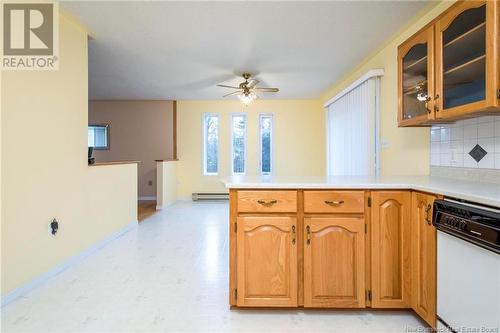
(29, 36)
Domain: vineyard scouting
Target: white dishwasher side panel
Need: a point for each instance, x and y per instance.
(468, 284)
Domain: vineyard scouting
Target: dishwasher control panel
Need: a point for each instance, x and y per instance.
(470, 222)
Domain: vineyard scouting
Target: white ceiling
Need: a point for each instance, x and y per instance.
(181, 50)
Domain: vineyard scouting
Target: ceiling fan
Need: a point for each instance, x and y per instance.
(247, 90)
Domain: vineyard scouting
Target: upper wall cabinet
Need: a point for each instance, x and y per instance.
(416, 77)
(462, 73)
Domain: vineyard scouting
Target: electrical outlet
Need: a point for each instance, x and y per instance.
(384, 144)
(454, 155)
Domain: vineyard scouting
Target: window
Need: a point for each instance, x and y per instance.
(352, 130)
(210, 144)
(266, 143)
(98, 137)
(238, 143)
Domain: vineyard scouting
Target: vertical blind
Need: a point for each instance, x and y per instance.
(352, 131)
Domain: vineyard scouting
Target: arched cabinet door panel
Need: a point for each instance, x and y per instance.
(423, 252)
(334, 265)
(267, 261)
(391, 218)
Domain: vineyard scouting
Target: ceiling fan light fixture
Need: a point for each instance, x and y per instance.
(246, 89)
(247, 98)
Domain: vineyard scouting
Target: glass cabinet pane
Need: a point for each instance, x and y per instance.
(464, 59)
(415, 81)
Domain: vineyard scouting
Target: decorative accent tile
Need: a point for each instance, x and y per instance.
(470, 143)
(478, 153)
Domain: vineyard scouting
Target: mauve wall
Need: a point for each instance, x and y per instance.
(139, 130)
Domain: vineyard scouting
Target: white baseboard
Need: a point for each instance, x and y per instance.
(165, 206)
(147, 197)
(42, 278)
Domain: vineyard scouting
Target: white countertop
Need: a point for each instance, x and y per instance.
(483, 193)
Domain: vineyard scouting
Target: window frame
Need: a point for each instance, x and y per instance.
(266, 115)
(107, 127)
(204, 143)
(244, 115)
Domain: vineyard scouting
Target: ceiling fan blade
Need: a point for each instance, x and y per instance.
(252, 83)
(267, 89)
(225, 86)
(233, 93)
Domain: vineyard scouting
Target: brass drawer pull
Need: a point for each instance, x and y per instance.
(268, 203)
(334, 203)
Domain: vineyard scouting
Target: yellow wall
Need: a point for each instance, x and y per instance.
(45, 172)
(408, 151)
(299, 140)
(166, 183)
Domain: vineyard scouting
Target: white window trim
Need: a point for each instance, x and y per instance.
(244, 115)
(203, 143)
(365, 77)
(272, 143)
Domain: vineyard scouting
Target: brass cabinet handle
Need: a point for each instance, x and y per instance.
(436, 106)
(334, 203)
(308, 229)
(293, 233)
(426, 104)
(267, 203)
(427, 211)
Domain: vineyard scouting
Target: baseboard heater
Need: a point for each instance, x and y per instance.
(210, 196)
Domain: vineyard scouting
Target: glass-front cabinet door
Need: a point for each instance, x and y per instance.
(416, 79)
(466, 59)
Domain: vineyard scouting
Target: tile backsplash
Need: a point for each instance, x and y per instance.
(470, 143)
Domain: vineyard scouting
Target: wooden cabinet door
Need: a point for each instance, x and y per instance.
(334, 265)
(267, 261)
(467, 59)
(390, 227)
(423, 258)
(416, 79)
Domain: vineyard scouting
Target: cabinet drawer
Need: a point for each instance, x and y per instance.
(267, 201)
(334, 201)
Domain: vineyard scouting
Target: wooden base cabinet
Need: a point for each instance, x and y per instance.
(333, 249)
(267, 261)
(423, 252)
(390, 245)
(334, 265)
